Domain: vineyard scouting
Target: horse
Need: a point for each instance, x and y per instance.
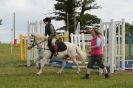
(40, 41)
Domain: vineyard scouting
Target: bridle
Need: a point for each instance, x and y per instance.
(37, 44)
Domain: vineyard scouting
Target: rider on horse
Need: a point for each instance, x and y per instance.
(52, 36)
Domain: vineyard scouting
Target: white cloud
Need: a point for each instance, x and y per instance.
(115, 9)
(16, 4)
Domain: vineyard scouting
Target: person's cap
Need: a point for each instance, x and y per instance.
(47, 19)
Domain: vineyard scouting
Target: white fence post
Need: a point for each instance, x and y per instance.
(111, 46)
(83, 41)
(123, 44)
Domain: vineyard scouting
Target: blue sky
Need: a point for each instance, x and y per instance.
(32, 10)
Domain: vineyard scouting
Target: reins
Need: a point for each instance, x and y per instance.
(37, 44)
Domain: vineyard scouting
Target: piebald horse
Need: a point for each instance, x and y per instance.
(44, 53)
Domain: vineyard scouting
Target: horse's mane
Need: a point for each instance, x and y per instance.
(39, 36)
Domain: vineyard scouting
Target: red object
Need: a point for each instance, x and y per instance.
(15, 41)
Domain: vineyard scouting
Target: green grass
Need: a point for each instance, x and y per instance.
(14, 74)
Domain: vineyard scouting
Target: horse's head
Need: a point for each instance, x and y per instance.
(35, 39)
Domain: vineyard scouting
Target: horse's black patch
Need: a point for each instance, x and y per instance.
(60, 44)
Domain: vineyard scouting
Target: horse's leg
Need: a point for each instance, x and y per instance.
(40, 66)
(62, 66)
(75, 61)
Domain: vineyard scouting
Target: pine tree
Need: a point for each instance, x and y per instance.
(68, 10)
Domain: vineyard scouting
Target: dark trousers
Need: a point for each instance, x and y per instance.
(95, 58)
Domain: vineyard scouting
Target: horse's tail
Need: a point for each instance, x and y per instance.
(82, 54)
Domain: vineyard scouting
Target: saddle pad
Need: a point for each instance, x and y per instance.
(61, 46)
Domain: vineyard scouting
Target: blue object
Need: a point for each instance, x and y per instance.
(58, 63)
(128, 64)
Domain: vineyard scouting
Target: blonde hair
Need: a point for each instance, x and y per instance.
(97, 32)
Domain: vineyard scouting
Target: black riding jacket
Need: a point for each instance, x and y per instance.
(49, 30)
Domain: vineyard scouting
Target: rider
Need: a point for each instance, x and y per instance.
(52, 36)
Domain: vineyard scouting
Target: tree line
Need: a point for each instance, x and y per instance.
(74, 11)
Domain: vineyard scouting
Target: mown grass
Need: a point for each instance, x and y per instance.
(14, 74)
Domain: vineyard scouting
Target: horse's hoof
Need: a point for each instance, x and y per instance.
(59, 72)
(38, 74)
(77, 72)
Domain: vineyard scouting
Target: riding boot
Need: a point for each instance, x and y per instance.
(55, 50)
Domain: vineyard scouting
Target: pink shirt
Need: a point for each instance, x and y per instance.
(96, 50)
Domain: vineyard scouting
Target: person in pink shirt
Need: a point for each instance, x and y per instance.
(96, 53)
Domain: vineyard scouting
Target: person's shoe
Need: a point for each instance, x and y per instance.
(107, 76)
(86, 76)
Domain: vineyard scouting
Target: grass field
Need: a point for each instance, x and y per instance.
(14, 74)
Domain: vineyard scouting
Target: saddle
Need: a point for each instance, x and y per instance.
(61, 46)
